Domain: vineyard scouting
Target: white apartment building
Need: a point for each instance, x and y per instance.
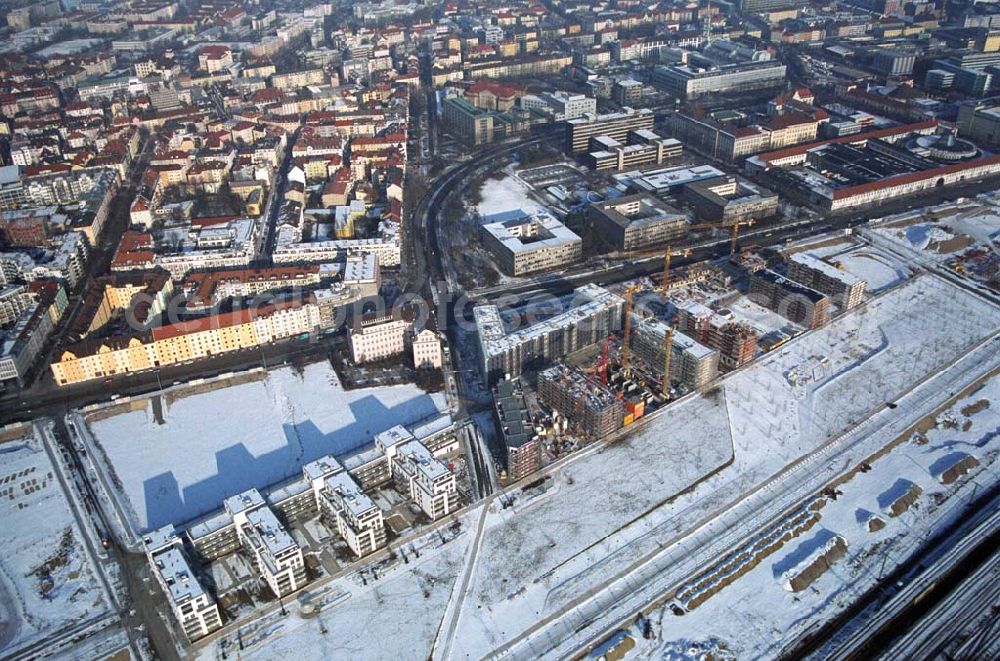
(194, 608)
(377, 338)
(416, 472)
(342, 502)
(426, 348)
(387, 251)
(527, 243)
(275, 554)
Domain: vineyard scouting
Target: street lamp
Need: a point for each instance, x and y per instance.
(159, 384)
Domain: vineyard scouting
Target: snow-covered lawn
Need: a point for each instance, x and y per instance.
(507, 194)
(219, 443)
(879, 270)
(47, 583)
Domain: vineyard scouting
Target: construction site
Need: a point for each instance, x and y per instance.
(676, 335)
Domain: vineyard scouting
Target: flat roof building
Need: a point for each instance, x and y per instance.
(527, 243)
(194, 608)
(511, 415)
(594, 314)
(792, 300)
(844, 288)
(579, 131)
(636, 221)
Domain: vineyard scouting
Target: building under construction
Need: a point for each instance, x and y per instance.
(735, 342)
(692, 364)
(592, 407)
(524, 447)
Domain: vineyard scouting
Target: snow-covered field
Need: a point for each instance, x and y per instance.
(216, 444)
(642, 512)
(608, 510)
(878, 269)
(507, 194)
(47, 583)
(735, 616)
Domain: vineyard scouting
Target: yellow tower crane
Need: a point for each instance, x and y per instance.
(667, 254)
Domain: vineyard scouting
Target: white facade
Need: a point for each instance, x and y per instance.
(275, 554)
(426, 350)
(378, 339)
(416, 473)
(358, 520)
(193, 607)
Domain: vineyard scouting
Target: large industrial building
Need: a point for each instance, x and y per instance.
(594, 314)
(872, 167)
(527, 243)
(845, 289)
(636, 221)
(687, 82)
(579, 131)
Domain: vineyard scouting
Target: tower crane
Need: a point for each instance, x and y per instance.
(667, 254)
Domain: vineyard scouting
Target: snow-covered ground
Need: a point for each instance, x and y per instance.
(735, 616)
(878, 269)
(216, 444)
(607, 510)
(47, 582)
(639, 514)
(394, 617)
(507, 194)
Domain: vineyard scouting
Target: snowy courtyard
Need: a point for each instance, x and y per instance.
(506, 194)
(215, 444)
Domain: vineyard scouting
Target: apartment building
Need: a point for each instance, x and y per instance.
(195, 610)
(512, 418)
(312, 252)
(735, 342)
(845, 289)
(374, 338)
(525, 243)
(207, 288)
(469, 122)
(789, 298)
(416, 473)
(595, 410)
(579, 131)
(276, 556)
(426, 347)
(345, 506)
(692, 364)
(635, 221)
(593, 314)
(182, 341)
